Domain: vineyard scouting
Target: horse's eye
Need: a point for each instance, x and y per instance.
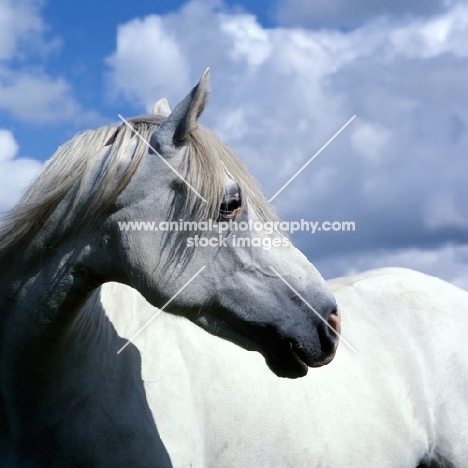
(231, 206)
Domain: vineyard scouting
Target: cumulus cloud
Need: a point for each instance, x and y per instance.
(15, 172)
(164, 62)
(399, 171)
(20, 22)
(371, 141)
(27, 92)
(444, 33)
(37, 97)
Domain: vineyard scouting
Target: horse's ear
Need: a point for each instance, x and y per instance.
(176, 129)
(161, 107)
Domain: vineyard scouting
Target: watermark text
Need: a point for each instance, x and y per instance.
(267, 227)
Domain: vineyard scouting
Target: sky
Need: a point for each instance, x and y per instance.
(286, 76)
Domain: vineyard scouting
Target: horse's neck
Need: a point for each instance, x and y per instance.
(44, 292)
(45, 287)
(46, 283)
(57, 397)
(60, 373)
(45, 330)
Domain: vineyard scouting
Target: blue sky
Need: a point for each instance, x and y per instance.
(286, 75)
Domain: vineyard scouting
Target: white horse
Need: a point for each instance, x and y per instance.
(181, 397)
(67, 398)
(398, 402)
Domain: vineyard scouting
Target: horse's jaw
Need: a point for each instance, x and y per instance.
(285, 354)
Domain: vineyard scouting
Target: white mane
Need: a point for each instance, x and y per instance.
(102, 156)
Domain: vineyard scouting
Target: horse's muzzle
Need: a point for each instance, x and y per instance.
(329, 335)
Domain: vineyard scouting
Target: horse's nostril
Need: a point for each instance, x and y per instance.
(335, 322)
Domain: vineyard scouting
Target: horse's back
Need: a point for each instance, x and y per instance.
(397, 399)
(409, 330)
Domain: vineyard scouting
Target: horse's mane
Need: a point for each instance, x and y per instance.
(68, 173)
(105, 160)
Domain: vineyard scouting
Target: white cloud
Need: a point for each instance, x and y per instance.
(446, 33)
(251, 42)
(19, 21)
(8, 145)
(27, 92)
(163, 63)
(15, 172)
(371, 141)
(37, 97)
(279, 94)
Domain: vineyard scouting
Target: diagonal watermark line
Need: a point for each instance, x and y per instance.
(312, 309)
(312, 158)
(148, 144)
(161, 309)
